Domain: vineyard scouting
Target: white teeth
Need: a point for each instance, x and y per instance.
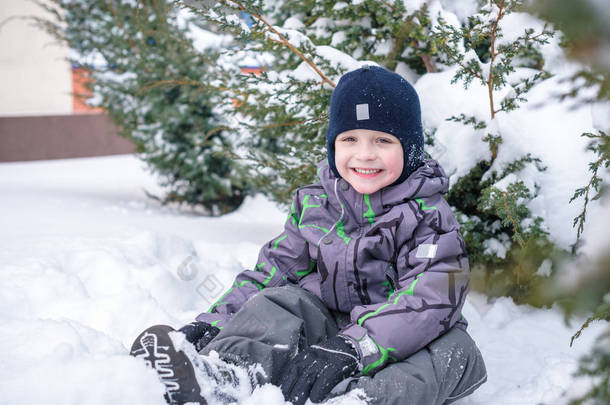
(367, 171)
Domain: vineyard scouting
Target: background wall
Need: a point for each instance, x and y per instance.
(35, 75)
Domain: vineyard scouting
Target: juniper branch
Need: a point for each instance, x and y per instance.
(594, 182)
(285, 42)
(490, 80)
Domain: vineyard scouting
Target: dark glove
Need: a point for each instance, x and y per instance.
(199, 333)
(316, 370)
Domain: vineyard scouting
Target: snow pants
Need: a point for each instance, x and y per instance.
(278, 322)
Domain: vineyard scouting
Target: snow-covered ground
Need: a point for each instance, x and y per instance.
(87, 261)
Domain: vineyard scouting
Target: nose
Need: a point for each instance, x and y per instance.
(366, 151)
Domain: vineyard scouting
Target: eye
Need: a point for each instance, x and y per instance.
(385, 140)
(348, 139)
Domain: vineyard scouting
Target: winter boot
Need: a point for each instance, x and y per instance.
(175, 370)
(188, 376)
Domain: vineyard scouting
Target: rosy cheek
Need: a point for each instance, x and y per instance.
(395, 162)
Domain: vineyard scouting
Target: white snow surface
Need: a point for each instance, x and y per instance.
(88, 261)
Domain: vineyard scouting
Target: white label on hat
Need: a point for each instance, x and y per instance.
(426, 251)
(362, 112)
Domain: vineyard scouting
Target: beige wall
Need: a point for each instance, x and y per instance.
(35, 77)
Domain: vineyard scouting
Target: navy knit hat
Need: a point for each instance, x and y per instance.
(375, 98)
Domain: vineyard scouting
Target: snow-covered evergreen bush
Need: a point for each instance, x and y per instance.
(152, 81)
(491, 199)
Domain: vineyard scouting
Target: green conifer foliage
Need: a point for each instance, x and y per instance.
(507, 245)
(282, 117)
(596, 365)
(152, 83)
(586, 38)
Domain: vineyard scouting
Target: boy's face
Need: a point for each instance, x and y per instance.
(368, 160)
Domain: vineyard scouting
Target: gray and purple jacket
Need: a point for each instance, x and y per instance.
(393, 260)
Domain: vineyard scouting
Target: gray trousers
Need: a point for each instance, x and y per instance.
(278, 322)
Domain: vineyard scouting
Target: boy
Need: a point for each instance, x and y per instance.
(364, 287)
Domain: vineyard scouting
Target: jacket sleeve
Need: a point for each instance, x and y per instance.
(279, 261)
(433, 280)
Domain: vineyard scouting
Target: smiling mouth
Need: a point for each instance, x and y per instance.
(366, 172)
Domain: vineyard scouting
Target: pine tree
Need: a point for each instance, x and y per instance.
(153, 84)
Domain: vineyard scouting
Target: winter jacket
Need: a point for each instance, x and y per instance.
(393, 260)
